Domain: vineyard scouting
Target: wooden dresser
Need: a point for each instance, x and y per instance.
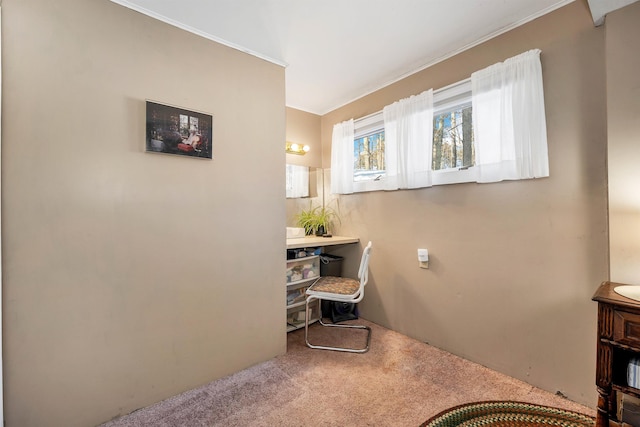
(618, 343)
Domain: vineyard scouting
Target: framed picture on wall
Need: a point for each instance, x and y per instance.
(174, 130)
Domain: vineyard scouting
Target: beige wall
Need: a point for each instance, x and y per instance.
(129, 276)
(513, 265)
(623, 129)
(304, 128)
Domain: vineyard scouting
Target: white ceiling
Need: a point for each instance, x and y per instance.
(336, 51)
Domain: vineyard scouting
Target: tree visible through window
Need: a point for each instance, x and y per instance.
(453, 139)
(369, 161)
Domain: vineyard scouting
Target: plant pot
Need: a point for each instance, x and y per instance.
(320, 231)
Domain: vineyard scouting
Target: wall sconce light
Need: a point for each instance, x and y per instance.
(293, 148)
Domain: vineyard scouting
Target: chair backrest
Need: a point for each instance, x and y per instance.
(363, 272)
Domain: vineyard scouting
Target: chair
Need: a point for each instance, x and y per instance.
(340, 289)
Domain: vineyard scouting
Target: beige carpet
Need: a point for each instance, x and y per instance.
(399, 382)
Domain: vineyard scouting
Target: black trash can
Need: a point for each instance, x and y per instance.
(331, 265)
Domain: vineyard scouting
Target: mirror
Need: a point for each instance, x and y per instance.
(303, 182)
(297, 181)
(315, 195)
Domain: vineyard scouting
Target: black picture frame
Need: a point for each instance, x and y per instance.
(178, 131)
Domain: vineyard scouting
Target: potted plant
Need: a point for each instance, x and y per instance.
(317, 220)
(306, 220)
(324, 218)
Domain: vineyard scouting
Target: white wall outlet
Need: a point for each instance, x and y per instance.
(423, 258)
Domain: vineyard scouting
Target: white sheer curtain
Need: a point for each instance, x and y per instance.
(510, 130)
(342, 158)
(297, 181)
(408, 133)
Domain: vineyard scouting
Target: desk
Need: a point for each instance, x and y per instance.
(316, 241)
(618, 342)
(307, 271)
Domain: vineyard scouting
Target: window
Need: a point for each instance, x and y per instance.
(453, 139)
(453, 150)
(187, 124)
(453, 129)
(453, 156)
(368, 149)
(488, 128)
(369, 160)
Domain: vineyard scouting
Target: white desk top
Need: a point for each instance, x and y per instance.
(314, 241)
